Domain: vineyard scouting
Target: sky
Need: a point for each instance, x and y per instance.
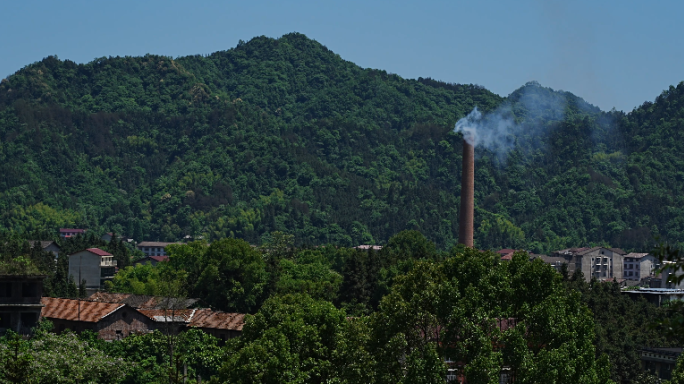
(614, 54)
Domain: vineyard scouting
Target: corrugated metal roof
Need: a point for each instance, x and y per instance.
(164, 315)
(141, 301)
(76, 310)
(206, 318)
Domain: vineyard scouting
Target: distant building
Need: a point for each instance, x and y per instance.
(93, 265)
(506, 253)
(639, 266)
(107, 236)
(153, 248)
(20, 304)
(111, 321)
(47, 246)
(66, 233)
(553, 261)
(141, 301)
(660, 361)
(154, 260)
(657, 296)
(218, 324)
(600, 263)
(114, 316)
(366, 247)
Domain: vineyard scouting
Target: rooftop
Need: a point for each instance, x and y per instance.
(140, 301)
(76, 310)
(71, 230)
(98, 252)
(154, 244)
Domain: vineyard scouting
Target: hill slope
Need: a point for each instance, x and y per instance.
(282, 134)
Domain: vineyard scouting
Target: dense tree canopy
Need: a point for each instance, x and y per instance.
(284, 135)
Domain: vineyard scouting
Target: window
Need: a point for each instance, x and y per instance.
(29, 290)
(29, 319)
(5, 320)
(5, 289)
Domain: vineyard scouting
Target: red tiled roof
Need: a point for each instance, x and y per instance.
(98, 252)
(68, 309)
(76, 230)
(140, 301)
(505, 251)
(158, 258)
(206, 318)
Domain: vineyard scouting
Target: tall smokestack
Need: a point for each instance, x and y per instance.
(465, 230)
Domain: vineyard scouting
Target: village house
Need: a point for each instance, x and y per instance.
(154, 260)
(66, 233)
(20, 303)
(153, 248)
(93, 265)
(111, 321)
(222, 325)
(639, 266)
(129, 314)
(47, 246)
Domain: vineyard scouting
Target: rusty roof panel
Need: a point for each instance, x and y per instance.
(76, 310)
(206, 318)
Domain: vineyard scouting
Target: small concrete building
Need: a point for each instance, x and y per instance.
(66, 233)
(600, 263)
(154, 260)
(660, 361)
(47, 246)
(20, 304)
(93, 265)
(638, 266)
(153, 248)
(657, 296)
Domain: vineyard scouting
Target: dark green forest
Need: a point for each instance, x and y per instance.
(285, 135)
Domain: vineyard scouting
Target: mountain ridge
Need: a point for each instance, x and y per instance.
(283, 134)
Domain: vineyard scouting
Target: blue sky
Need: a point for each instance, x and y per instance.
(612, 53)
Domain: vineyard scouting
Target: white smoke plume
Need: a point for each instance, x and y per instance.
(494, 131)
(498, 131)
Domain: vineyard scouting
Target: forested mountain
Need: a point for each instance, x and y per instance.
(283, 134)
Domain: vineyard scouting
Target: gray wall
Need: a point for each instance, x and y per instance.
(89, 266)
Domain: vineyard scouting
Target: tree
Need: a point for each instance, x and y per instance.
(292, 339)
(15, 359)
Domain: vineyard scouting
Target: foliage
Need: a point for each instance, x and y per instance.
(292, 339)
(284, 135)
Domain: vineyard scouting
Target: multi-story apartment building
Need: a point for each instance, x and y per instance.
(598, 262)
(20, 302)
(153, 248)
(93, 265)
(639, 265)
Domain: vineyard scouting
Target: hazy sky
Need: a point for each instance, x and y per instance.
(612, 53)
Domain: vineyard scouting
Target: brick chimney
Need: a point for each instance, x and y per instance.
(467, 212)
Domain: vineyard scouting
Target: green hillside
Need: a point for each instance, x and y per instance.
(283, 134)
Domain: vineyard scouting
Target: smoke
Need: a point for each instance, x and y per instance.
(495, 131)
(499, 131)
